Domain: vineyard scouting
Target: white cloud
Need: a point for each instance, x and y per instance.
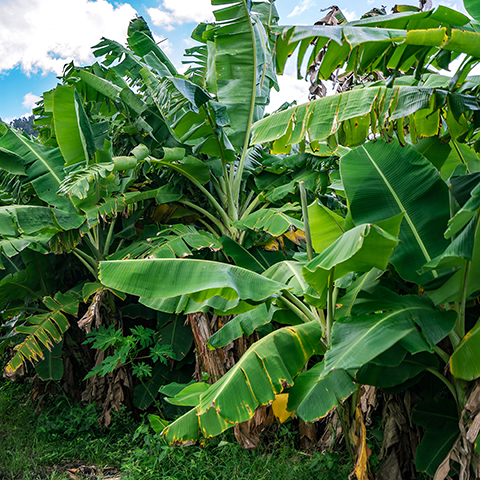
(190, 42)
(29, 100)
(177, 12)
(350, 16)
(165, 44)
(290, 89)
(301, 7)
(43, 35)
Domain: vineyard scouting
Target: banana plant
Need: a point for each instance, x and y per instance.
(422, 189)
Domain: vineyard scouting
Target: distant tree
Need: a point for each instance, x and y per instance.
(25, 124)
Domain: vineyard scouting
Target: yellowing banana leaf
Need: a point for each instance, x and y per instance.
(200, 279)
(313, 396)
(353, 114)
(265, 369)
(359, 249)
(382, 180)
(44, 329)
(279, 408)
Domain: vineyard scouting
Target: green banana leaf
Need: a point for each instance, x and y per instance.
(178, 336)
(44, 168)
(11, 162)
(465, 362)
(387, 377)
(434, 323)
(72, 128)
(272, 220)
(184, 304)
(200, 279)
(358, 249)
(265, 369)
(52, 367)
(452, 289)
(440, 420)
(473, 8)
(189, 396)
(326, 226)
(234, 77)
(243, 324)
(313, 396)
(358, 340)
(350, 114)
(382, 180)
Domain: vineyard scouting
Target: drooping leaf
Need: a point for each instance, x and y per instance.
(52, 367)
(200, 279)
(265, 369)
(272, 220)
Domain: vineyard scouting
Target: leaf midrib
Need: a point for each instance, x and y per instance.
(404, 210)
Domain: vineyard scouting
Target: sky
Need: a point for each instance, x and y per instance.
(38, 37)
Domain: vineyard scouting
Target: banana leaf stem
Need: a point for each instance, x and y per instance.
(246, 203)
(91, 244)
(331, 301)
(109, 239)
(86, 257)
(87, 265)
(445, 381)
(204, 212)
(297, 311)
(301, 306)
(441, 353)
(306, 222)
(463, 303)
(251, 207)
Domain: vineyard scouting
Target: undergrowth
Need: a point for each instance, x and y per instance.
(45, 444)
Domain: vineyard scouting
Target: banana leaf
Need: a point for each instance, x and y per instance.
(265, 369)
(382, 180)
(200, 279)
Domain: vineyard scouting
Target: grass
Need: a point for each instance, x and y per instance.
(46, 445)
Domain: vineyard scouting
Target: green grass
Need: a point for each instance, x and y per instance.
(44, 444)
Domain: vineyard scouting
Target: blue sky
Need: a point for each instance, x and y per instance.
(37, 37)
